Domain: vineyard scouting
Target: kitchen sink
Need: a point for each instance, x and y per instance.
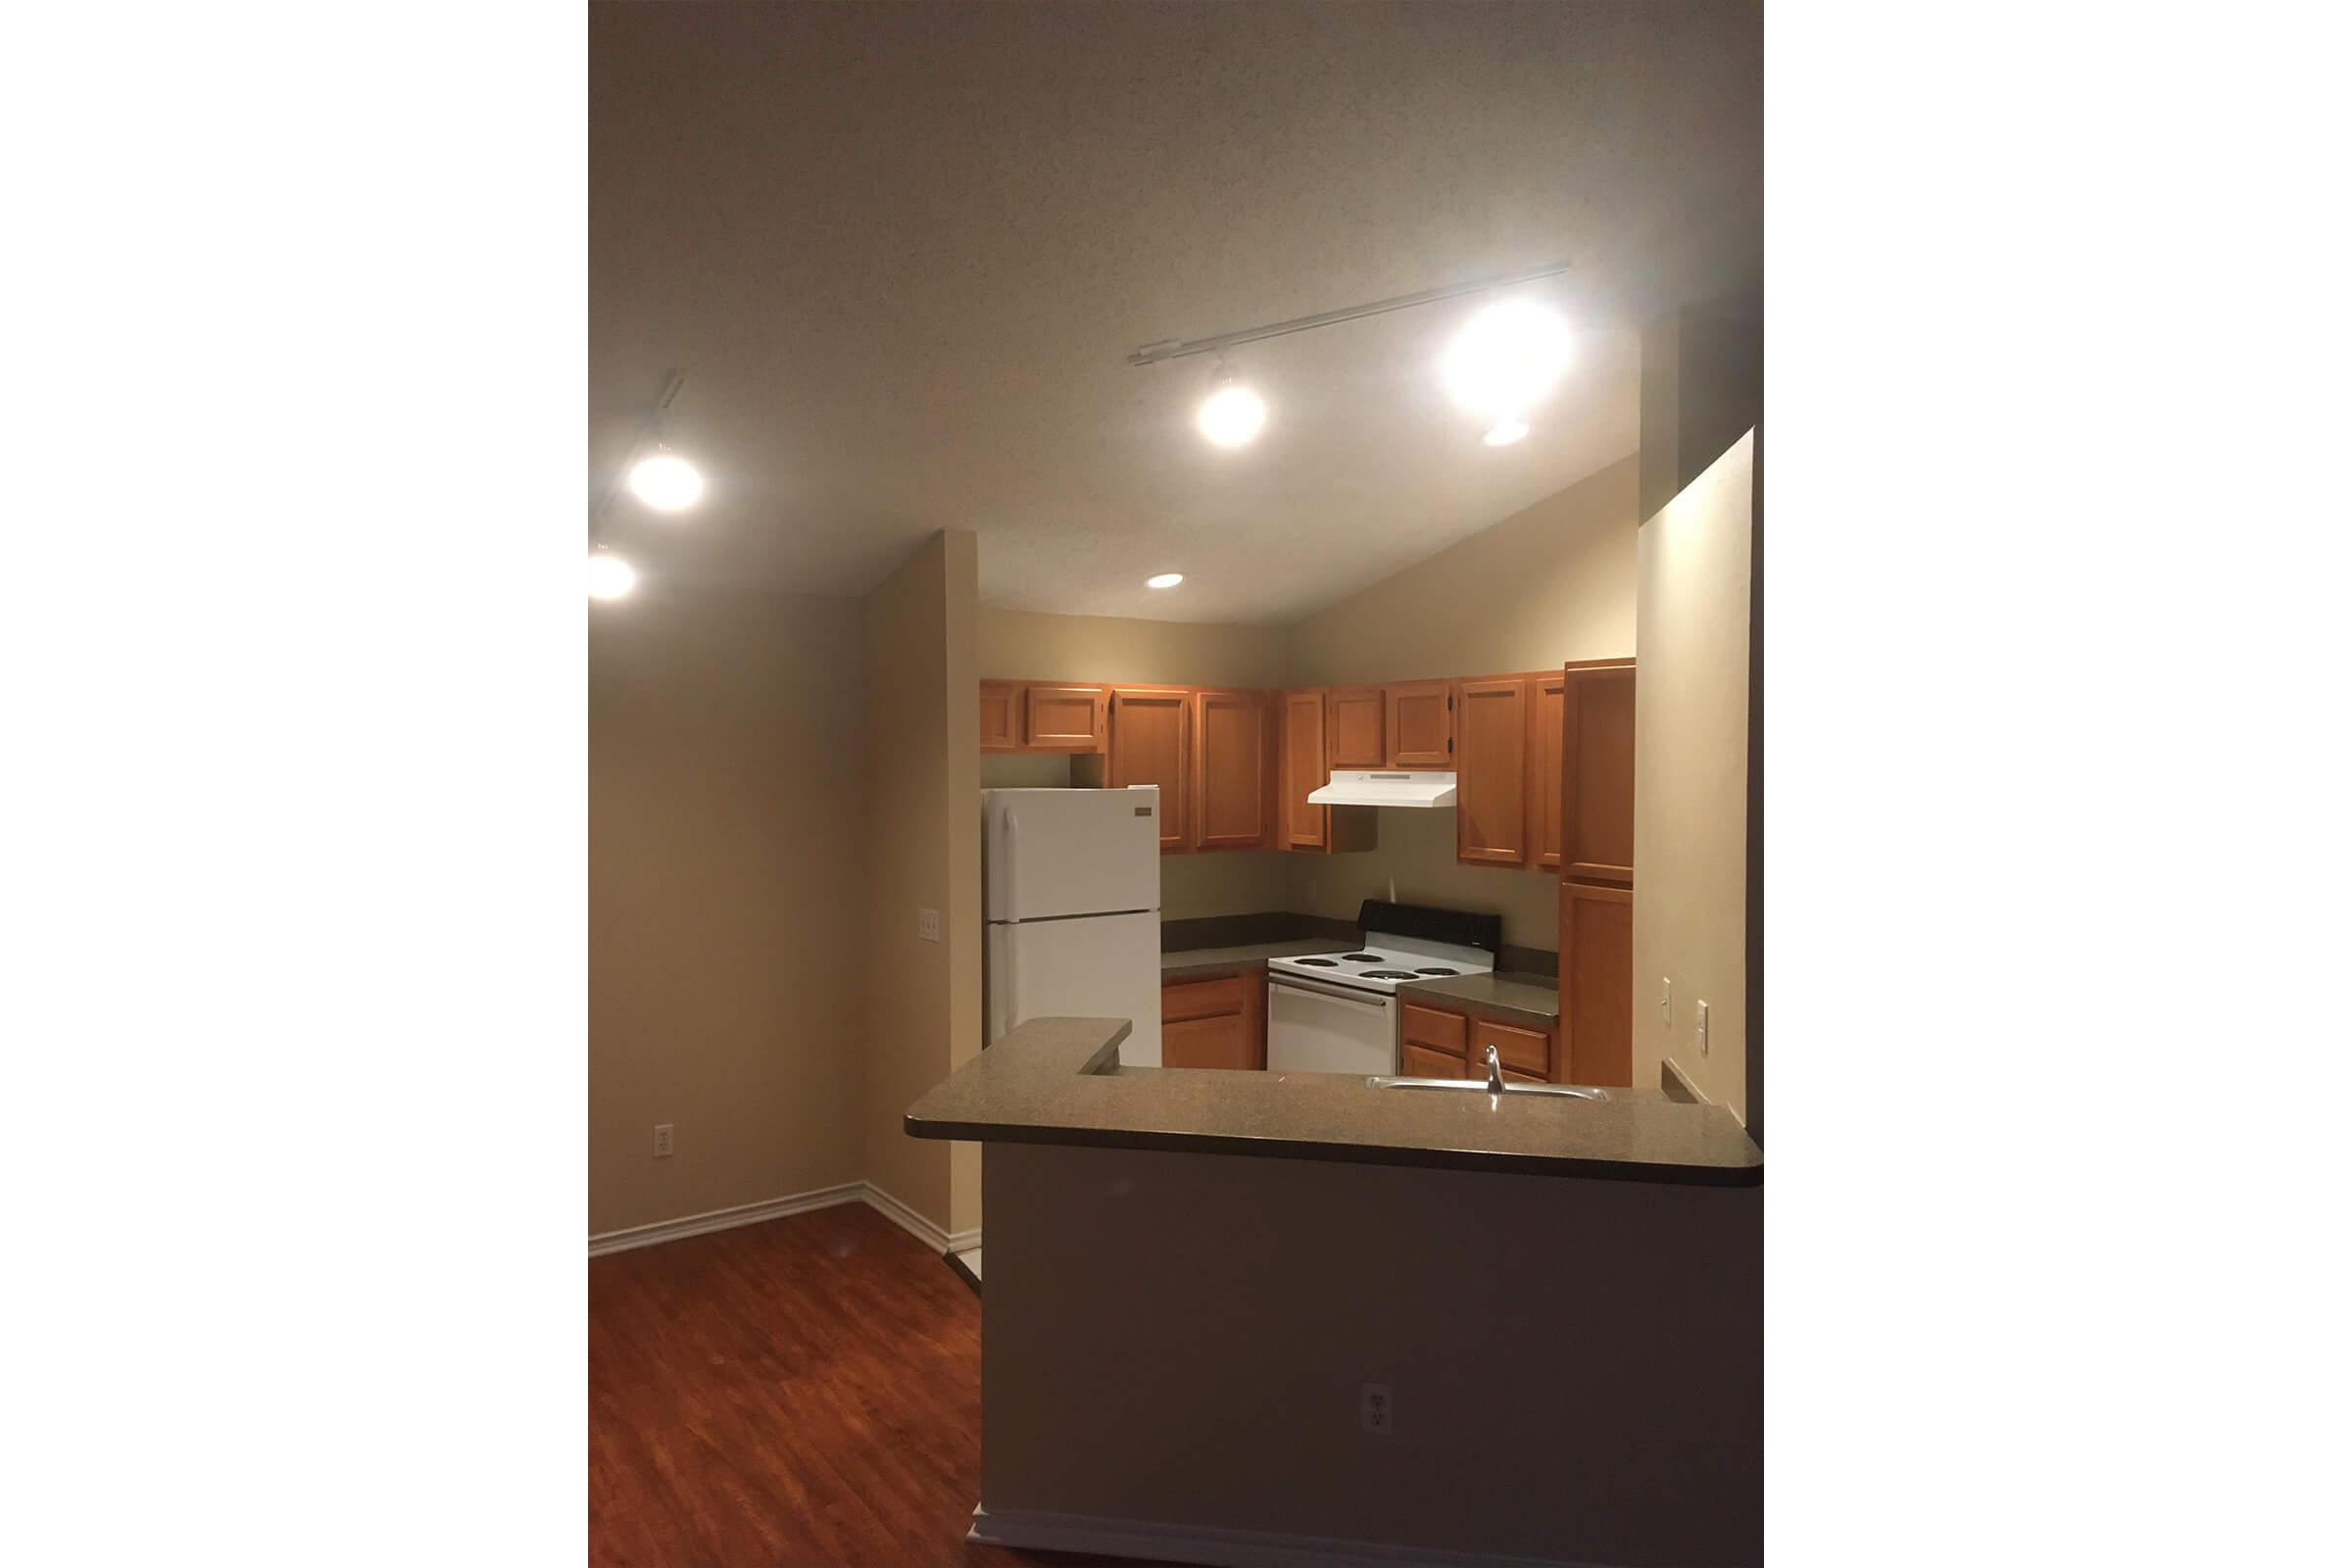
(1480, 1086)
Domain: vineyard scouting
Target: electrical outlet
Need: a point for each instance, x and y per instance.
(1703, 1028)
(926, 924)
(1380, 1410)
(665, 1144)
(1666, 1002)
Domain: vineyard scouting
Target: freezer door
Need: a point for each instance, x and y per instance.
(1103, 967)
(1055, 852)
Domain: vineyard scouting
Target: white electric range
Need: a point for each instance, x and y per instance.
(1336, 1011)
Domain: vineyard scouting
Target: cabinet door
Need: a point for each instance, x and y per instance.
(1231, 769)
(999, 715)
(1151, 743)
(1491, 772)
(1420, 719)
(1598, 798)
(1419, 1061)
(1358, 727)
(1304, 826)
(1546, 719)
(1062, 718)
(1219, 1042)
(1596, 985)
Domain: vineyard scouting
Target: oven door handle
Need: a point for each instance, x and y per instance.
(1378, 1004)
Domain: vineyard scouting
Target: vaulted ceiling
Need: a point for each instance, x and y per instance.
(901, 252)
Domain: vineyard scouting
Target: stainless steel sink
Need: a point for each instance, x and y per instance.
(1492, 1084)
(1562, 1090)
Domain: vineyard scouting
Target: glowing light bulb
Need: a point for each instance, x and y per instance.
(1167, 579)
(610, 576)
(1508, 434)
(1506, 359)
(666, 482)
(1232, 416)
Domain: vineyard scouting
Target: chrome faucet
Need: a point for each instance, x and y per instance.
(1493, 1071)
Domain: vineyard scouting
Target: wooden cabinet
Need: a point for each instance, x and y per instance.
(1064, 718)
(1359, 729)
(1437, 1043)
(999, 715)
(1420, 724)
(1216, 1022)
(1233, 774)
(1598, 766)
(1491, 772)
(1152, 743)
(1546, 711)
(1303, 747)
(1597, 983)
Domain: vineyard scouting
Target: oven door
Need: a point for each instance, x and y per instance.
(1319, 1028)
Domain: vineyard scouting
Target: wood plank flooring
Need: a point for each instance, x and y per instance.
(805, 1390)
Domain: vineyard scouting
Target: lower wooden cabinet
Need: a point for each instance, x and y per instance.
(1437, 1043)
(1596, 982)
(1215, 1022)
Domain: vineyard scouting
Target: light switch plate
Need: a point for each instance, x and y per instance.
(1703, 1028)
(926, 924)
(1666, 1002)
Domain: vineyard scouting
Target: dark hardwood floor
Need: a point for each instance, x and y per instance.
(805, 1390)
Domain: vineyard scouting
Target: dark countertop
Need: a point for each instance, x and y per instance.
(1058, 1081)
(1200, 963)
(1530, 999)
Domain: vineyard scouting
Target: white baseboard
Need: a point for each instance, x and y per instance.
(721, 1219)
(1217, 1548)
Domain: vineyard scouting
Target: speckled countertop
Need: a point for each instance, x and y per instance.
(1530, 999)
(1058, 1081)
(1232, 960)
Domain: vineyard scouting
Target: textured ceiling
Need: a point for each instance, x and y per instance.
(903, 251)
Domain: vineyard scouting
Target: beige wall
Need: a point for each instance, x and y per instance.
(1576, 1366)
(725, 901)
(920, 849)
(1023, 645)
(1543, 586)
(1690, 781)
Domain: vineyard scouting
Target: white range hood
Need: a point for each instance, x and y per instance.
(1385, 789)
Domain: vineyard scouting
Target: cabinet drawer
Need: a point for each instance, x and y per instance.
(1509, 1076)
(1201, 998)
(1527, 1049)
(1419, 1061)
(1440, 1031)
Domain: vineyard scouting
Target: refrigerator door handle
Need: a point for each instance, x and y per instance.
(1009, 861)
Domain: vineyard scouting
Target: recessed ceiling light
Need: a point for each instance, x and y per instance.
(1506, 359)
(1508, 432)
(610, 576)
(665, 481)
(1167, 579)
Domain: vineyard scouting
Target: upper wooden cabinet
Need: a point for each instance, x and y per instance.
(1358, 727)
(1233, 779)
(1303, 747)
(1491, 772)
(1064, 718)
(1152, 743)
(1596, 731)
(1547, 716)
(1420, 721)
(999, 715)
(1303, 825)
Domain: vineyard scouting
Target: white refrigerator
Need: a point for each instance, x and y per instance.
(1071, 883)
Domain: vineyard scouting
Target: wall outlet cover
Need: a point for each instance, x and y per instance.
(1380, 1409)
(664, 1140)
(926, 924)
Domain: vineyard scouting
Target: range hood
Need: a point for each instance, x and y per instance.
(1385, 789)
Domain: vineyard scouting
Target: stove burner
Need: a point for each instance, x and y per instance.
(1388, 974)
(1437, 969)
(1363, 957)
(1321, 964)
